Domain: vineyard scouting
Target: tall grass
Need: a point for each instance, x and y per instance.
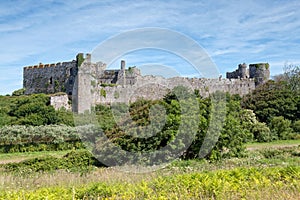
(240, 183)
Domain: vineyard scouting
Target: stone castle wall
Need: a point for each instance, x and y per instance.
(92, 84)
(241, 72)
(60, 101)
(260, 72)
(151, 88)
(50, 78)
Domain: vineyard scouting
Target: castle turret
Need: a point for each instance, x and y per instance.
(260, 72)
(122, 76)
(243, 71)
(123, 65)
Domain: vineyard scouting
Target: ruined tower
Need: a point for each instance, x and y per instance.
(260, 72)
(122, 74)
(82, 98)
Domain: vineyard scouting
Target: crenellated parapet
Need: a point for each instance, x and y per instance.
(41, 65)
(50, 78)
(94, 84)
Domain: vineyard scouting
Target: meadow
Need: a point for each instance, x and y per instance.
(255, 156)
(264, 173)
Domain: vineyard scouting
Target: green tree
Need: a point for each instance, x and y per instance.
(272, 99)
(33, 110)
(296, 126)
(19, 92)
(261, 132)
(281, 128)
(292, 77)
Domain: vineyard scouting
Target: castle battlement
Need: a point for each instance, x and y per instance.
(41, 65)
(118, 83)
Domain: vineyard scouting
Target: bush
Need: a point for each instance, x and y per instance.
(74, 161)
(39, 138)
(296, 126)
(261, 132)
(19, 92)
(281, 128)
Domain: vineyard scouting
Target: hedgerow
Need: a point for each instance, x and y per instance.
(72, 161)
(20, 138)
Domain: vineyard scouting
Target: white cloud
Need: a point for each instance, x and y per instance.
(230, 31)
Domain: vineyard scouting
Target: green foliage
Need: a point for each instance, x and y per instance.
(281, 128)
(39, 138)
(93, 83)
(240, 183)
(73, 161)
(144, 130)
(19, 92)
(105, 117)
(130, 69)
(103, 92)
(35, 147)
(6, 102)
(292, 77)
(33, 110)
(108, 84)
(273, 99)
(80, 59)
(261, 132)
(178, 93)
(56, 86)
(277, 153)
(65, 117)
(296, 126)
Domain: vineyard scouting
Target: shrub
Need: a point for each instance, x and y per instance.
(296, 126)
(19, 92)
(20, 138)
(261, 132)
(74, 161)
(281, 128)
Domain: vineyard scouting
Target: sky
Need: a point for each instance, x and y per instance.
(230, 31)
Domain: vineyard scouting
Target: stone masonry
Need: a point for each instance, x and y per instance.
(89, 83)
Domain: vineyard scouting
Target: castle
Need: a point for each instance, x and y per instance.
(88, 83)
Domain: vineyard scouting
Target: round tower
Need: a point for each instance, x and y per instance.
(260, 72)
(243, 71)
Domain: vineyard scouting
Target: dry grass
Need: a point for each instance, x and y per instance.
(63, 178)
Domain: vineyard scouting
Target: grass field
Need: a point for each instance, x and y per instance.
(274, 144)
(17, 157)
(265, 172)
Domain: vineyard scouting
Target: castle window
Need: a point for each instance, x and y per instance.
(71, 71)
(51, 80)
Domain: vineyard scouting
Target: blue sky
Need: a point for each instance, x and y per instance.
(230, 31)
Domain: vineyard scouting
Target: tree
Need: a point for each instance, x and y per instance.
(19, 92)
(33, 110)
(272, 99)
(281, 128)
(296, 126)
(261, 132)
(292, 77)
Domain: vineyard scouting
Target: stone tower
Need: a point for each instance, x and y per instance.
(122, 74)
(82, 97)
(260, 72)
(243, 71)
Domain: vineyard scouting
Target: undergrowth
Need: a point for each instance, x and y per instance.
(239, 183)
